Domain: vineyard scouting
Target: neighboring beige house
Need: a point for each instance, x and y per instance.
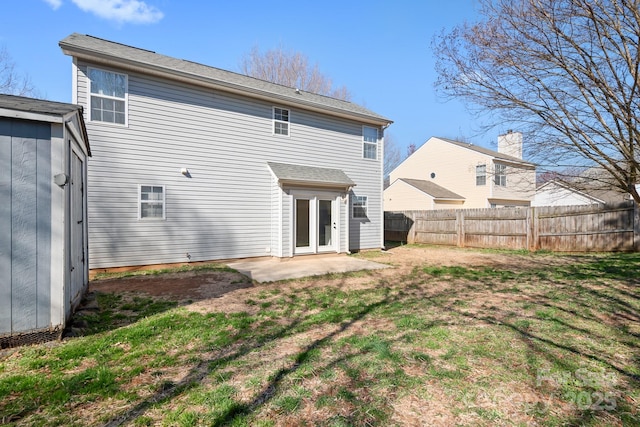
(480, 177)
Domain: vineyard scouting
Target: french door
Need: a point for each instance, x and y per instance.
(315, 224)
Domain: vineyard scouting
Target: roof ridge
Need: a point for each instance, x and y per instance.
(484, 150)
(121, 44)
(96, 48)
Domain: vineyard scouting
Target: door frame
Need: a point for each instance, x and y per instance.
(314, 196)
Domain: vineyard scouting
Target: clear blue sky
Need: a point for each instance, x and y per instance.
(379, 50)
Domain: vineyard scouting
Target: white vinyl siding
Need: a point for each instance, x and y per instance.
(223, 210)
(369, 142)
(108, 96)
(359, 207)
(151, 202)
(280, 121)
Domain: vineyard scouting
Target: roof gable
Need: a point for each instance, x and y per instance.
(39, 106)
(20, 107)
(145, 61)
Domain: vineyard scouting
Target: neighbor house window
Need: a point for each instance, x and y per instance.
(360, 207)
(501, 175)
(108, 96)
(280, 121)
(151, 205)
(481, 175)
(370, 142)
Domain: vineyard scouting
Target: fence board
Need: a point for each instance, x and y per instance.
(555, 228)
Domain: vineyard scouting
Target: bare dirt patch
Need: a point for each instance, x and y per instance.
(223, 291)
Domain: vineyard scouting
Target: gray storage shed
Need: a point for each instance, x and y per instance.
(43, 217)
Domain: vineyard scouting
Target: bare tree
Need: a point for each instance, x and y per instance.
(392, 157)
(11, 81)
(290, 69)
(565, 72)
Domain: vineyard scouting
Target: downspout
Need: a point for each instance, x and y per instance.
(348, 220)
(382, 188)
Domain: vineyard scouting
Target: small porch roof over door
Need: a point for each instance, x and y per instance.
(310, 176)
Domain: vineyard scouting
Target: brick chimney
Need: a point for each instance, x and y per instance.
(510, 144)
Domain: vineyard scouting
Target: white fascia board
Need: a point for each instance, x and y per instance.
(28, 115)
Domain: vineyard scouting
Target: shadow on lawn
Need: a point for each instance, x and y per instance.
(580, 301)
(205, 367)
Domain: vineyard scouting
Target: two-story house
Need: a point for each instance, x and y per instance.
(447, 174)
(193, 163)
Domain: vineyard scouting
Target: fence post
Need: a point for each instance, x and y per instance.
(535, 229)
(636, 227)
(460, 227)
(530, 233)
(411, 235)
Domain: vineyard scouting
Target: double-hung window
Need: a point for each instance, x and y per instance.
(359, 207)
(108, 96)
(481, 175)
(500, 177)
(369, 142)
(280, 121)
(151, 202)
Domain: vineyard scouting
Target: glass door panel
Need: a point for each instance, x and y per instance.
(302, 223)
(325, 223)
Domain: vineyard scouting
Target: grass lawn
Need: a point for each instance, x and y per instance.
(537, 339)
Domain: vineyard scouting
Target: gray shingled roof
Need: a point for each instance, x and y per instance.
(15, 105)
(486, 151)
(40, 106)
(310, 175)
(432, 189)
(96, 49)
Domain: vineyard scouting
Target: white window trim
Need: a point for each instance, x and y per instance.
(366, 207)
(164, 204)
(498, 175)
(478, 176)
(364, 143)
(274, 121)
(126, 97)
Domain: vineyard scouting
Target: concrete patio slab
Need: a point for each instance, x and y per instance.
(275, 269)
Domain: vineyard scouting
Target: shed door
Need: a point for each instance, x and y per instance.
(77, 244)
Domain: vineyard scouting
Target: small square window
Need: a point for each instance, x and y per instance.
(359, 207)
(369, 142)
(280, 121)
(151, 202)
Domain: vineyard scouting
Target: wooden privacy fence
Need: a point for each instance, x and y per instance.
(605, 228)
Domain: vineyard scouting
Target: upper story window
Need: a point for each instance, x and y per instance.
(359, 207)
(108, 96)
(151, 202)
(280, 121)
(481, 175)
(369, 142)
(500, 177)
